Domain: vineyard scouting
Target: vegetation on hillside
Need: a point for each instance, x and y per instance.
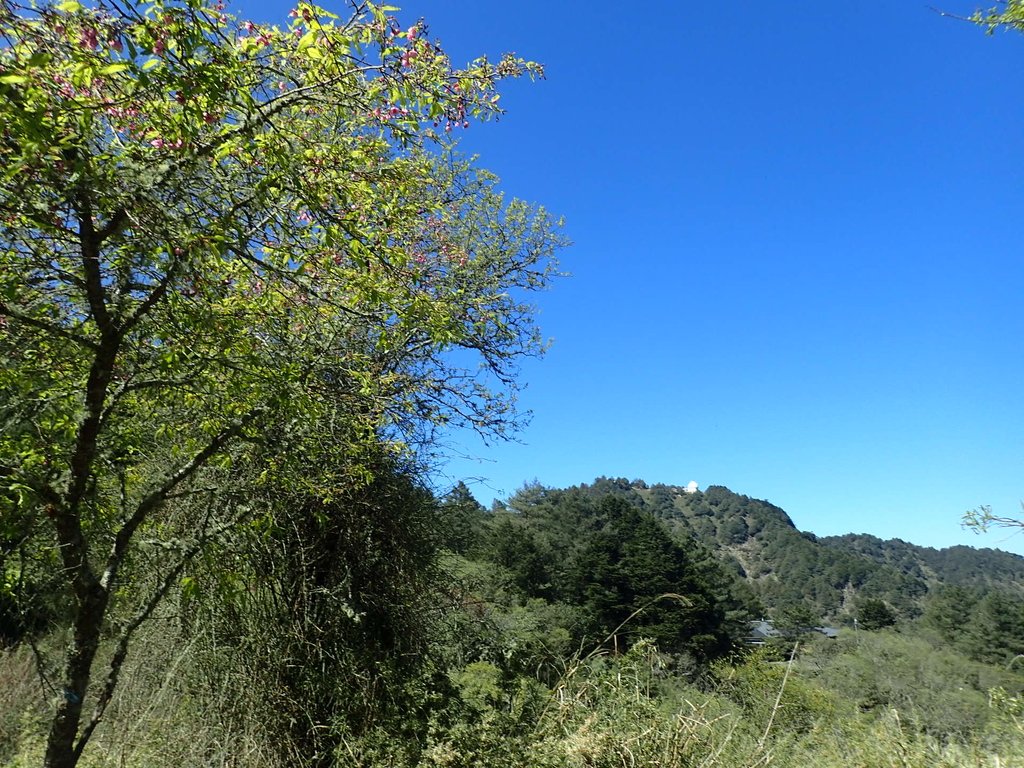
(565, 627)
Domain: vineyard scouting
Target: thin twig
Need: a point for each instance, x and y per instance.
(778, 699)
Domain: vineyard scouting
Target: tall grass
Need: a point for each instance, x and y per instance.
(604, 712)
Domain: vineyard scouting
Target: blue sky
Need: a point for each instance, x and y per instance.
(796, 268)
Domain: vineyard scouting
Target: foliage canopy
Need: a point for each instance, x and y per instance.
(219, 240)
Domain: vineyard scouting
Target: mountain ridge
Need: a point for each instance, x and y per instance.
(787, 567)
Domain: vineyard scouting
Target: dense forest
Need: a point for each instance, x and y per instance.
(247, 286)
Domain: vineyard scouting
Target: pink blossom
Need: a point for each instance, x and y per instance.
(88, 38)
(249, 26)
(412, 32)
(160, 143)
(115, 44)
(159, 47)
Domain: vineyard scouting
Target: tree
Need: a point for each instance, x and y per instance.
(875, 614)
(462, 518)
(981, 519)
(949, 610)
(1010, 15)
(329, 615)
(216, 236)
(797, 620)
(995, 634)
(514, 546)
(632, 578)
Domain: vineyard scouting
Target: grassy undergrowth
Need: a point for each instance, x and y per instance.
(603, 712)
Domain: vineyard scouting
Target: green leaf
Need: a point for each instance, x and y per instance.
(189, 588)
(113, 69)
(12, 79)
(69, 6)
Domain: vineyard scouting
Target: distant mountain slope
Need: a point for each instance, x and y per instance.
(960, 566)
(787, 568)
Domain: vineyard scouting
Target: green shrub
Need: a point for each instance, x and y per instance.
(773, 698)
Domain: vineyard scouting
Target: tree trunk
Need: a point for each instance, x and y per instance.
(61, 749)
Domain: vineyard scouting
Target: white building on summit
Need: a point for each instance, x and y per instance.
(691, 487)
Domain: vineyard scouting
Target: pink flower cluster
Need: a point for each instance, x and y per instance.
(129, 114)
(385, 113)
(64, 87)
(165, 144)
(264, 38)
(89, 38)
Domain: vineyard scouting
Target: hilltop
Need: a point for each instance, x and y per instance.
(761, 543)
(756, 562)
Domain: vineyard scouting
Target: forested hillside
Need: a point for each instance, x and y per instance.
(760, 564)
(562, 627)
(953, 566)
(759, 542)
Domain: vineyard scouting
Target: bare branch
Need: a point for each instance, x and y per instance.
(144, 612)
(160, 494)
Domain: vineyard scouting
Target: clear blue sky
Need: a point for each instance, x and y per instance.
(797, 265)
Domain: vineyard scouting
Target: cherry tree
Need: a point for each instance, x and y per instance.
(216, 233)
